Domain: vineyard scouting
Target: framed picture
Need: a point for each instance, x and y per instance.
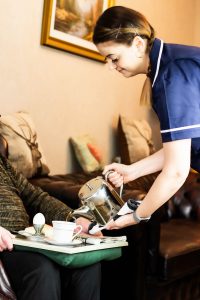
(68, 25)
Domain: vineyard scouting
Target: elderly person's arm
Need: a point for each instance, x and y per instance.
(35, 200)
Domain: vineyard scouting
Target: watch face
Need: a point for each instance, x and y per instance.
(144, 220)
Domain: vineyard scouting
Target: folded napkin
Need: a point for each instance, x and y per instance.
(105, 239)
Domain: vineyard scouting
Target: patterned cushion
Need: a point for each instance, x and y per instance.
(86, 153)
(135, 139)
(24, 150)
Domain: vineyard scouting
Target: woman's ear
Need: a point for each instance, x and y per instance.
(139, 45)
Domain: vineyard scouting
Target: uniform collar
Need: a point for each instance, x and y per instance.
(155, 59)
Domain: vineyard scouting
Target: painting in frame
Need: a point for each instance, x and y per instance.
(68, 25)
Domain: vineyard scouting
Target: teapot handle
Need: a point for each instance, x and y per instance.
(106, 179)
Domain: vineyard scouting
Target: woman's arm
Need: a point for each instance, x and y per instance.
(148, 165)
(126, 173)
(175, 171)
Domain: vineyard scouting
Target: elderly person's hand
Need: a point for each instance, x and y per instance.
(5, 239)
(85, 224)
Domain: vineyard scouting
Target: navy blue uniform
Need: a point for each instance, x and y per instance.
(175, 75)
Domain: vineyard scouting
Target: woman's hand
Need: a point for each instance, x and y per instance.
(5, 239)
(126, 173)
(121, 222)
(85, 224)
(121, 173)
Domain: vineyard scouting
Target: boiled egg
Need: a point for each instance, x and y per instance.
(39, 219)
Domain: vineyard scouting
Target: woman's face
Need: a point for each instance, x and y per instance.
(128, 60)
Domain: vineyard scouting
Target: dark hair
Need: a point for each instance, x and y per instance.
(121, 24)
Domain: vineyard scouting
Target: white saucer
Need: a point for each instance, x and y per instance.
(53, 242)
(24, 233)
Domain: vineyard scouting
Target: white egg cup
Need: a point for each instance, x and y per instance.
(38, 225)
(38, 229)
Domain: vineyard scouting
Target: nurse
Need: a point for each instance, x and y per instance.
(127, 41)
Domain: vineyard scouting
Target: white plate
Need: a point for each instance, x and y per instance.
(53, 242)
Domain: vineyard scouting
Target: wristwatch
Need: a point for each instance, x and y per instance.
(138, 219)
(133, 204)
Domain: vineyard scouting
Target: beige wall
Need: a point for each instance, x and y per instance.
(197, 23)
(69, 95)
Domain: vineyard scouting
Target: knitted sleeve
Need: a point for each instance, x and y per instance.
(36, 200)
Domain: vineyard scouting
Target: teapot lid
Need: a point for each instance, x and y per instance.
(90, 188)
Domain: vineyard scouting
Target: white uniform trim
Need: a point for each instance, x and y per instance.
(158, 62)
(180, 128)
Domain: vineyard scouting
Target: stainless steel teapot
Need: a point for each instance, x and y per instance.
(100, 200)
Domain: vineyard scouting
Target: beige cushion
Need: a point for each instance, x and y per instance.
(135, 139)
(86, 153)
(24, 150)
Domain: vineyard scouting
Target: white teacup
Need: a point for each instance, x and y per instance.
(64, 232)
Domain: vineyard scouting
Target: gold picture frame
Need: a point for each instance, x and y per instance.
(68, 25)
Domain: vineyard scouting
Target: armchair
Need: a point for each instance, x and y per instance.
(173, 256)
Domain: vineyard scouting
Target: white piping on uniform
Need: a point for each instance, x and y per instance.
(158, 62)
(181, 128)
